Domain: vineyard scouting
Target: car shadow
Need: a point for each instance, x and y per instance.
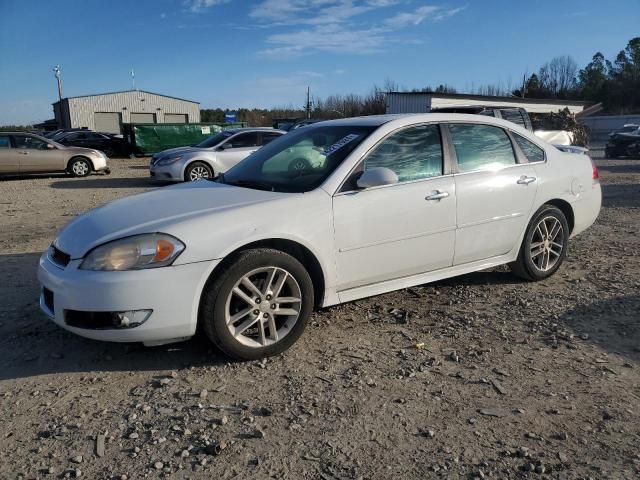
(32, 176)
(108, 182)
(32, 345)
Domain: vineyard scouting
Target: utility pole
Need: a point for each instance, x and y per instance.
(308, 106)
(56, 71)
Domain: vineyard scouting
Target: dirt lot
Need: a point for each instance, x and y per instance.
(515, 380)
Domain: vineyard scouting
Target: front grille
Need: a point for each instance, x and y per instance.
(58, 257)
(47, 297)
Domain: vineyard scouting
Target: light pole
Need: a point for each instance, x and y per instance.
(56, 71)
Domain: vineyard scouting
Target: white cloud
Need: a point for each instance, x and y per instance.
(338, 26)
(198, 5)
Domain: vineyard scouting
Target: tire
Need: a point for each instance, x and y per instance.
(220, 302)
(79, 167)
(299, 165)
(540, 258)
(197, 170)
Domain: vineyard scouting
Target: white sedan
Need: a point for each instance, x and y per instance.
(382, 203)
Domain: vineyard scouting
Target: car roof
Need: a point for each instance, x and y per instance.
(411, 118)
(253, 129)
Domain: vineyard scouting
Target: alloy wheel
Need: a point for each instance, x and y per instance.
(547, 243)
(198, 172)
(263, 306)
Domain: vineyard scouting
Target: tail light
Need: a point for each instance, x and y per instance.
(594, 176)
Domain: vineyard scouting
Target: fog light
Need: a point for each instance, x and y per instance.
(130, 318)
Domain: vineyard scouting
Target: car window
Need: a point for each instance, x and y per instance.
(4, 141)
(244, 140)
(533, 152)
(481, 147)
(413, 154)
(513, 115)
(298, 161)
(269, 136)
(29, 142)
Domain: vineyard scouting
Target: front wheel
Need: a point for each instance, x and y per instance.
(258, 306)
(196, 171)
(79, 167)
(544, 246)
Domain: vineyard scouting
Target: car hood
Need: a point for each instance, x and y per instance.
(177, 151)
(161, 210)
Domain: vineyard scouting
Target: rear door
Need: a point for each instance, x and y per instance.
(495, 191)
(237, 148)
(9, 157)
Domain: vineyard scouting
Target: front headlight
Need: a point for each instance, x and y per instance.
(134, 253)
(168, 161)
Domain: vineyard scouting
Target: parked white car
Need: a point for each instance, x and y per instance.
(396, 201)
(211, 157)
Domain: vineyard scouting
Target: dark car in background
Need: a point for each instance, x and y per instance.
(109, 144)
(623, 145)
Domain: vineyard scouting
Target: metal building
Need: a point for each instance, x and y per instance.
(106, 112)
(417, 102)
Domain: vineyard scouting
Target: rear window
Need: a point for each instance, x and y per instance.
(513, 115)
(533, 152)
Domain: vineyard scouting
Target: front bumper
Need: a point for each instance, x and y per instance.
(167, 173)
(172, 293)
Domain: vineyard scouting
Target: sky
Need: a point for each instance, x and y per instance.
(264, 53)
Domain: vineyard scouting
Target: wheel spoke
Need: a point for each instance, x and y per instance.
(243, 296)
(263, 338)
(244, 325)
(536, 245)
(555, 231)
(273, 331)
(546, 228)
(285, 311)
(279, 283)
(287, 300)
(538, 251)
(251, 286)
(269, 282)
(241, 314)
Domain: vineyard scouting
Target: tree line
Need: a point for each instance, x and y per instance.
(614, 83)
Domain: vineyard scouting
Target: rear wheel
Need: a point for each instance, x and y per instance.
(79, 167)
(258, 306)
(544, 246)
(197, 171)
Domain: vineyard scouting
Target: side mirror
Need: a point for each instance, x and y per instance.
(225, 146)
(377, 177)
(50, 147)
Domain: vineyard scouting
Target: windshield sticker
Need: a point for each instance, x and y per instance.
(339, 144)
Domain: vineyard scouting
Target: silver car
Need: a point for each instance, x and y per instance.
(212, 157)
(22, 152)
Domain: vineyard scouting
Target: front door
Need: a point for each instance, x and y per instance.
(36, 156)
(494, 192)
(392, 231)
(9, 157)
(237, 148)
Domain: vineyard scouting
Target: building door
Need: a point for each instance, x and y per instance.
(175, 118)
(108, 122)
(143, 118)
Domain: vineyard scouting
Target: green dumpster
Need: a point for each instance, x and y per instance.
(149, 138)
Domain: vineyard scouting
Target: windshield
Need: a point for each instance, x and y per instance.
(215, 139)
(298, 161)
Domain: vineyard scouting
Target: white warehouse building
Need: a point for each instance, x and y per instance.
(106, 112)
(419, 102)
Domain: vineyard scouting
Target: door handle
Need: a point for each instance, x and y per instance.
(438, 195)
(524, 180)
(24, 153)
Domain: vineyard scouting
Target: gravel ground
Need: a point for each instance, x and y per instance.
(480, 376)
